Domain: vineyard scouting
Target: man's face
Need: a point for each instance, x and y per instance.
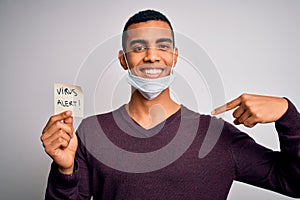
(149, 49)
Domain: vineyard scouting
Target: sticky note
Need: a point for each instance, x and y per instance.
(68, 97)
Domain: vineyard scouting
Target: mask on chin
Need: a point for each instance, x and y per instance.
(150, 88)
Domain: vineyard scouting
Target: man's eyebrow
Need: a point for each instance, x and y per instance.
(164, 40)
(138, 41)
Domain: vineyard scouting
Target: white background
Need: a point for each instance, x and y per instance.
(255, 46)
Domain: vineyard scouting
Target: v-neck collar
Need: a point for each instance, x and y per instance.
(137, 130)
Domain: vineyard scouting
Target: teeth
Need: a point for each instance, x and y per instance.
(153, 71)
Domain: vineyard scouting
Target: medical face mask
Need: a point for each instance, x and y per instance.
(148, 87)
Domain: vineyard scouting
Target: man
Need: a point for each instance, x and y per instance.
(152, 120)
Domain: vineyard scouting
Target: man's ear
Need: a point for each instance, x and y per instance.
(175, 56)
(122, 60)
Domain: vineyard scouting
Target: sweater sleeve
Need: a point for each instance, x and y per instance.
(272, 170)
(74, 186)
(61, 186)
(288, 128)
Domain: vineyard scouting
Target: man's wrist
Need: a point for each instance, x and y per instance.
(67, 171)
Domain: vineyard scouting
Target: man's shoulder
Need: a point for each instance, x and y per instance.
(189, 113)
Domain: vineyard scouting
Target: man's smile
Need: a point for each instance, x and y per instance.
(151, 71)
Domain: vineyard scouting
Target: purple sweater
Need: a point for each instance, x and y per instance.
(117, 170)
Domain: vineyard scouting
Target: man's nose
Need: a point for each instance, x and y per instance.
(152, 55)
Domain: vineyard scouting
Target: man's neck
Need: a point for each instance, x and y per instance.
(149, 113)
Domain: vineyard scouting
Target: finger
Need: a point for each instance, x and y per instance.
(250, 122)
(56, 145)
(244, 117)
(238, 112)
(58, 125)
(59, 143)
(58, 117)
(68, 120)
(236, 122)
(228, 106)
(59, 134)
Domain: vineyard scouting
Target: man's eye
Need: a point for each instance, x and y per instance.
(139, 48)
(164, 47)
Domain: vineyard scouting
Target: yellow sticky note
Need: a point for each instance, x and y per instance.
(68, 97)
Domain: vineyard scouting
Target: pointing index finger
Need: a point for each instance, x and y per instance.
(228, 106)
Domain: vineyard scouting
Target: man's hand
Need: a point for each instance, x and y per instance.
(253, 109)
(60, 141)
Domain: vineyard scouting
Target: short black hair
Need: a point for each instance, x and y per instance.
(144, 16)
